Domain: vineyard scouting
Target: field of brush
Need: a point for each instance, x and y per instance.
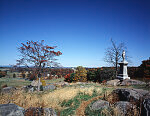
(65, 100)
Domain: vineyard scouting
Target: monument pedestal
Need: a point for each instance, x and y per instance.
(123, 70)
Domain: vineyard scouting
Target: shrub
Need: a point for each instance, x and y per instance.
(14, 75)
(69, 77)
(101, 75)
(91, 76)
(32, 76)
(80, 74)
(2, 73)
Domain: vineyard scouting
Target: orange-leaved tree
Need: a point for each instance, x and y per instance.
(37, 55)
(80, 74)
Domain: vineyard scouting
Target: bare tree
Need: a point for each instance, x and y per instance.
(113, 54)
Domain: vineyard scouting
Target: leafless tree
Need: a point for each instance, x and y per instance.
(113, 54)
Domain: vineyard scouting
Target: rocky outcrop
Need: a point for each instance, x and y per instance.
(11, 110)
(49, 112)
(49, 87)
(125, 82)
(8, 89)
(114, 82)
(28, 88)
(146, 107)
(130, 95)
(100, 104)
(125, 108)
(35, 83)
(128, 82)
(36, 111)
(62, 84)
(138, 97)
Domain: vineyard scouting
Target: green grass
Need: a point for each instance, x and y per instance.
(144, 87)
(55, 80)
(90, 112)
(72, 104)
(15, 82)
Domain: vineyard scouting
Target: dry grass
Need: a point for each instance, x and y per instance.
(46, 99)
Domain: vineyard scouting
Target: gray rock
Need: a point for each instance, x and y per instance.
(62, 84)
(126, 108)
(148, 84)
(8, 89)
(35, 83)
(49, 112)
(82, 86)
(128, 82)
(28, 88)
(146, 104)
(114, 82)
(49, 87)
(100, 104)
(130, 94)
(11, 110)
(31, 89)
(81, 83)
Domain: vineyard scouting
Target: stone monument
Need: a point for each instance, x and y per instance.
(123, 73)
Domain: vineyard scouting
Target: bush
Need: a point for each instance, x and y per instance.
(14, 75)
(32, 76)
(80, 74)
(2, 73)
(69, 77)
(91, 76)
(101, 74)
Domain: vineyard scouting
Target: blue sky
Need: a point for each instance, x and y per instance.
(80, 28)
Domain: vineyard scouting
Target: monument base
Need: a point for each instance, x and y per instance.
(122, 77)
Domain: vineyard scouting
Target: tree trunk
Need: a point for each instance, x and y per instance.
(39, 84)
(116, 64)
(116, 69)
(39, 76)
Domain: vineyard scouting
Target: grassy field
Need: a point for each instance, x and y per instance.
(65, 100)
(14, 82)
(18, 82)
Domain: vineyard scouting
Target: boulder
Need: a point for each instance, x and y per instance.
(125, 94)
(81, 83)
(49, 87)
(35, 83)
(114, 82)
(148, 84)
(146, 107)
(62, 84)
(28, 88)
(126, 108)
(128, 82)
(8, 89)
(100, 104)
(49, 112)
(36, 111)
(11, 110)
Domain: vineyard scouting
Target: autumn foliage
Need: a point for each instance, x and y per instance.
(38, 55)
(2, 73)
(80, 75)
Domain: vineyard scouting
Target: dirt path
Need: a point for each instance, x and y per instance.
(81, 109)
